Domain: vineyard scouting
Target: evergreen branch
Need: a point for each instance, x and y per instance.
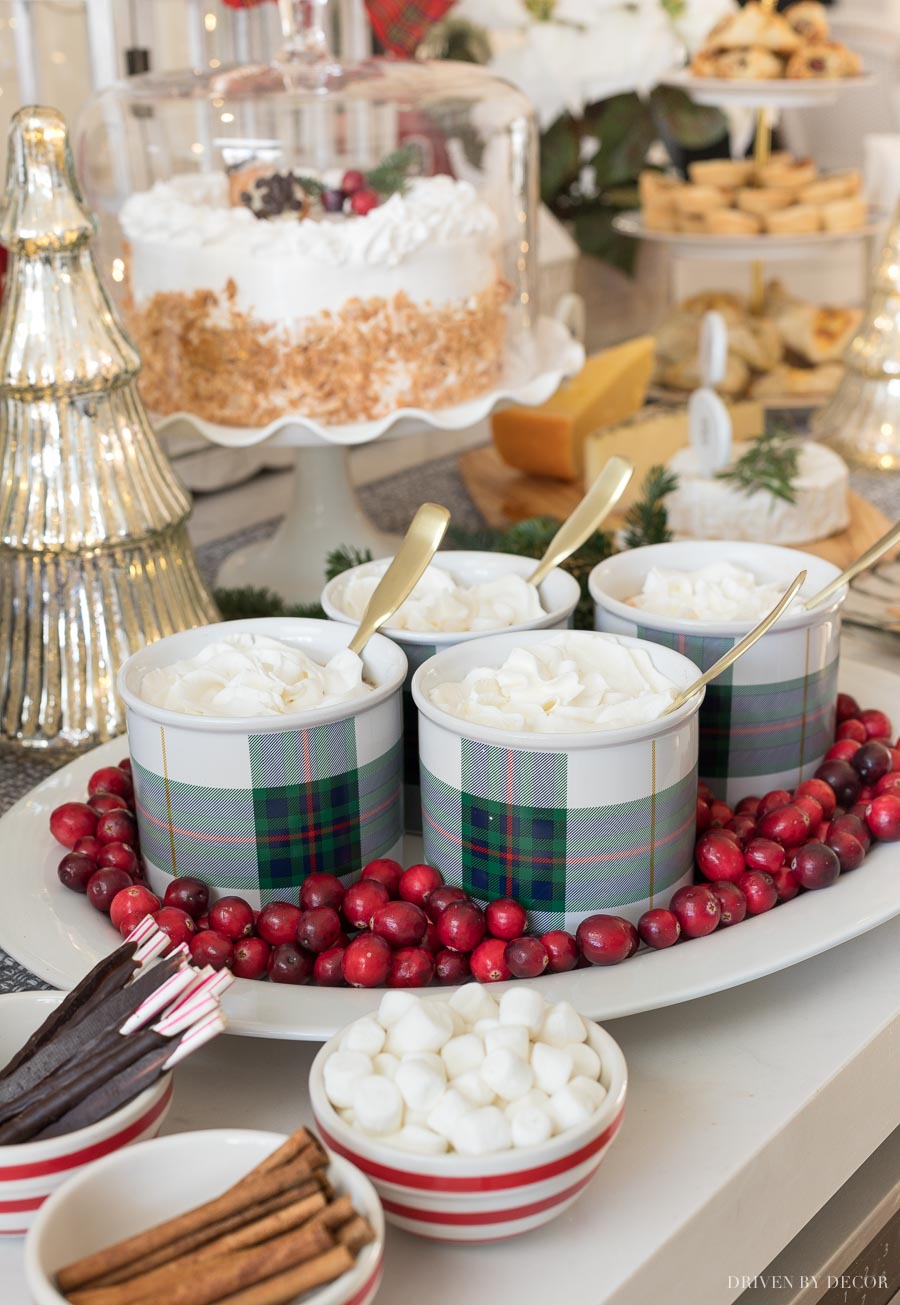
(646, 521)
(311, 185)
(343, 558)
(248, 601)
(770, 464)
(392, 173)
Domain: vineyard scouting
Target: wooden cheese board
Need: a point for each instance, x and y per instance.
(504, 496)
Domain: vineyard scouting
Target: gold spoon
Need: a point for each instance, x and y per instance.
(602, 496)
(729, 658)
(420, 543)
(862, 563)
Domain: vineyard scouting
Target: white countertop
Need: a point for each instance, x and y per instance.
(746, 1112)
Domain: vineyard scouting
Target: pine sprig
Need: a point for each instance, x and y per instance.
(391, 175)
(770, 464)
(247, 601)
(311, 185)
(646, 521)
(343, 558)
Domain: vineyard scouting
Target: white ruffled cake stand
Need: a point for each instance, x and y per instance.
(324, 511)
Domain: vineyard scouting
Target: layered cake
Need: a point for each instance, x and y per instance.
(258, 293)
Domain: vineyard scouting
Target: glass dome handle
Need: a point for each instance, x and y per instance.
(303, 28)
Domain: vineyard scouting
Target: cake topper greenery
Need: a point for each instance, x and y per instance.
(770, 464)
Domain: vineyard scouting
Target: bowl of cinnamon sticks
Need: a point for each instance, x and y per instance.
(251, 1218)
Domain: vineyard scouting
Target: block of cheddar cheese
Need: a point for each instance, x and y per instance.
(549, 440)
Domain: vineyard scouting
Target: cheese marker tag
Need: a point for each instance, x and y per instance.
(713, 351)
(709, 426)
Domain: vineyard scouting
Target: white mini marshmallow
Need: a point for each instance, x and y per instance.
(445, 1113)
(462, 1053)
(483, 1027)
(481, 1131)
(342, 1072)
(420, 1085)
(365, 1035)
(460, 1025)
(570, 1106)
(474, 1088)
(348, 1116)
(531, 1126)
(562, 1025)
(426, 1026)
(474, 1003)
(585, 1060)
(378, 1105)
(386, 1064)
(591, 1088)
(429, 1058)
(552, 1066)
(509, 1037)
(418, 1118)
(523, 1006)
(508, 1074)
(417, 1140)
(394, 1004)
(533, 1098)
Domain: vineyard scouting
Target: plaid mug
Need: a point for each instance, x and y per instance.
(254, 806)
(768, 721)
(568, 824)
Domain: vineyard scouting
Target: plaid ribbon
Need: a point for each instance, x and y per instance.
(509, 831)
(399, 24)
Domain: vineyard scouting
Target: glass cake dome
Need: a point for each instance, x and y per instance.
(315, 240)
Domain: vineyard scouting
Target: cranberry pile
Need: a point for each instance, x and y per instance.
(407, 928)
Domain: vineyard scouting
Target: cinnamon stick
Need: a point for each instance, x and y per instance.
(355, 1234)
(246, 1194)
(289, 1150)
(282, 1288)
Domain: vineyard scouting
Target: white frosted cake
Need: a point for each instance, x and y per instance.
(705, 507)
(252, 300)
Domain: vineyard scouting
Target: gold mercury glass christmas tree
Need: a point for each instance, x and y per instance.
(95, 559)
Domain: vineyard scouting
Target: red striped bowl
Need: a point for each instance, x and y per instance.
(463, 1199)
(31, 1171)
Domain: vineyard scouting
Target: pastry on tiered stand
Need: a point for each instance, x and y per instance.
(755, 43)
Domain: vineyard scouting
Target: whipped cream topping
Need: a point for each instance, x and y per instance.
(718, 592)
(570, 683)
(193, 210)
(246, 675)
(443, 604)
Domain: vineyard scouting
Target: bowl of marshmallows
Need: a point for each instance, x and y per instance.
(477, 1117)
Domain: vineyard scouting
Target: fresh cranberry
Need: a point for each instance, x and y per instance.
(332, 200)
(117, 827)
(103, 886)
(822, 792)
(871, 762)
(847, 707)
(764, 854)
(883, 817)
(321, 889)
(363, 202)
(488, 962)
(732, 903)
(843, 750)
(778, 797)
(188, 894)
(849, 850)
(290, 964)
(125, 764)
(71, 821)
(889, 783)
(328, 968)
(697, 910)
(659, 928)
(816, 866)
(177, 924)
(203, 922)
(400, 923)
(855, 825)
(75, 870)
(384, 871)
(718, 857)
(417, 882)
(705, 792)
(441, 898)
(813, 808)
(788, 826)
(895, 758)
(606, 939)
(431, 939)
(704, 818)
(461, 927)
(786, 884)
(232, 917)
(562, 950)
(719, 813)
(506, 918)
(367, 962)
(111, 779)
(526, 957)
(352, 181)
(851, 729)
(453, 967)
(121, 857)
(102, 803)
(251, 958)
(318, 929)
(130, 901)
(877, 724)
(411, 967)
(361, 901)
(841, 776)
(726, 833)
(743, 826)
(759, 889)
(277, 923)
(748, 806)
(92, 847)
(209, 948)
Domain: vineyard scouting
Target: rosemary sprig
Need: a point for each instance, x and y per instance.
(392, 173)
(770, 464)
(646, 521)
(311, 185)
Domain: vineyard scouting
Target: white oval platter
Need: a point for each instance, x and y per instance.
(730, 249)
(768, 93)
